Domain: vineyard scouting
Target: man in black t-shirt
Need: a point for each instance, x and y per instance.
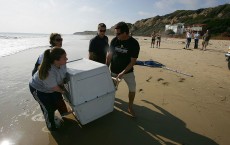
(98, 45)
(121, 57)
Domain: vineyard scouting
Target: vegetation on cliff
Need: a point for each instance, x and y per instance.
(216, 19)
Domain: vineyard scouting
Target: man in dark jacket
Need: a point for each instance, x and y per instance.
(98, 45)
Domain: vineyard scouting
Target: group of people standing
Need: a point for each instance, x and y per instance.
(49, 73)
(196, 36)
(156, 37)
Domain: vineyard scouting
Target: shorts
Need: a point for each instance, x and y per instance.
(129, 79)
(205, 43)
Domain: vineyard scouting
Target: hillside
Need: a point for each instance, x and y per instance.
(217, 20)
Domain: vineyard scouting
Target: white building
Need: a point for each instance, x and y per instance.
(177, 28)
(196, 28)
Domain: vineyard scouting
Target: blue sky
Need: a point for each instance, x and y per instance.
(69, 16)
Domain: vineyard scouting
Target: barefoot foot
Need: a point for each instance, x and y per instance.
(131, 112)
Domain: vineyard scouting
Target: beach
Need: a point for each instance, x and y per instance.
(184, 102)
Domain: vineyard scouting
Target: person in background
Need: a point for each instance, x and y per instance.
(158, 38)
(196, 39)
(121, 58)
(153, 35)
(206, 37)
(99, 45)
(188, 39)
(47, 83)
(55, 41)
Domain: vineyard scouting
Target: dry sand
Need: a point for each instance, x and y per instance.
(171, 108)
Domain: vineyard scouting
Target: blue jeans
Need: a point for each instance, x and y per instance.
(196, 43)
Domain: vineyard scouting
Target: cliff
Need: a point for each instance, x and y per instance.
(216, 19)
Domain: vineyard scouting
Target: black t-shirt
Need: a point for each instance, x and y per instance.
(99, 47)
(123, 51)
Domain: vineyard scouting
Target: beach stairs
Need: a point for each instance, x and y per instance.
(90, 90)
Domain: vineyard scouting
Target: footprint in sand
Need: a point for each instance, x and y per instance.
(160, 79)
(44, 129)
(38, 117)
(165, 83)
(148, 80)
(181, 80)
(140, 90)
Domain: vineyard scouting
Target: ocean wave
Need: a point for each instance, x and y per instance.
(4, 54)
(21, 35)
(9, 37)
(12, 43)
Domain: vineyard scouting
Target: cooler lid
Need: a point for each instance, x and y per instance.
(82, 65)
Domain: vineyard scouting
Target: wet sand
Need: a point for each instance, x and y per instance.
(171, 108)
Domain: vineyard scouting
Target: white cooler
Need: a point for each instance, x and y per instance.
(91, 89)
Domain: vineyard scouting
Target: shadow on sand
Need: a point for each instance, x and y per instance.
(118, 128)
(171, 48)
(213, 50)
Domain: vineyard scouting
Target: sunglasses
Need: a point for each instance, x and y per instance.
(58, 39)
(102, 30)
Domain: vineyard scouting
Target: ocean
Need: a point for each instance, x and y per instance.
(12, 43)
(20, 114)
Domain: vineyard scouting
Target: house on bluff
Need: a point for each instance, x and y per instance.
(197, 27)
(177, 28)
(180, 28)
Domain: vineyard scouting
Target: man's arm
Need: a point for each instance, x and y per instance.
(90, 55)
(108, 58)
(91, 49)
(129, 66)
